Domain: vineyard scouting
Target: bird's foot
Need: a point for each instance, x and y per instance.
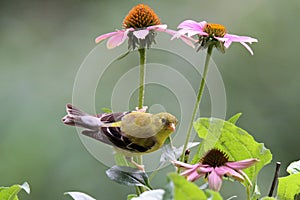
(143, 109)
(138, 166)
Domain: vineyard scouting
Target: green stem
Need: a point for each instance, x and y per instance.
(142, 77)
(142, 53)
(200, 92)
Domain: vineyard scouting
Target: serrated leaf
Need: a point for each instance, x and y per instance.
(128, 176)
(213, 195)
(197, 157)
(236, 142)
(294, 167)
(80, 196)
(10, 193)
(185, 190)
(288, 187)
(234, 118)
(151, 195)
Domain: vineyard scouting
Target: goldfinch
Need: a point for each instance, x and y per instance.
(135, 132)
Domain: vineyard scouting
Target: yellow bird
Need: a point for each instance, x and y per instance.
(134, 133)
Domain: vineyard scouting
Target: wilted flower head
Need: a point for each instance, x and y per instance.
(212, 34)
(213, 166)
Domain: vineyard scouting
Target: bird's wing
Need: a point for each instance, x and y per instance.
(111, 117)
(120, 140)
(140, 125)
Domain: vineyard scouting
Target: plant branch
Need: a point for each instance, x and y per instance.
(142, 53)
(275, 179)
(199, 96)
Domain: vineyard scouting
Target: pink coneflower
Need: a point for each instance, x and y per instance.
(213, 166)
(212, 34)
(140, 27)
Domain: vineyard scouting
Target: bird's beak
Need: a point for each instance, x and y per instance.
(172, 127)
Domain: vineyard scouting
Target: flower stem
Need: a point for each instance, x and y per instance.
(275, 179)
(142, 53)
(199, 96)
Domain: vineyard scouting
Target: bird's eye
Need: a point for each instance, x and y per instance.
(163, 120)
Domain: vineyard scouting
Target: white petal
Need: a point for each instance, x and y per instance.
(79, 196)
(247, 47)
(151, 195)
(141, 34)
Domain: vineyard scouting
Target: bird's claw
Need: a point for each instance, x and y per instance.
(143, 109)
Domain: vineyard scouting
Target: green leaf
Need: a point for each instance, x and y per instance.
(151, 195)
(294, 167)
(128, 176)
(185, 190)
(80, 196)
(130, 196)
(288, 187)
(234, 118)
(124, 55)
(169, 191)
(236, 142)
(120, 159)
(10, 193)
(213, 195)
(198, 154)
(256, 192)
(106, 110)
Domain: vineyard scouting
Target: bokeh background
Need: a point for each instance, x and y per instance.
(43, 43)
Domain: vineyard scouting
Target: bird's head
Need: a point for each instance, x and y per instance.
(168, 121)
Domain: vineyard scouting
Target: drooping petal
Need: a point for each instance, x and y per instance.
(188, 172)
(245, 176)
(189, 41)
(141, 34)
(247, 47)
(237, 38)
(160, 28)
(191, 25)
(241, 39)
(214, 181)
(182, 164)
(105, 36)
(229, 38)
(242, 164)
(205, 169)
(192, 28)
(117, 39)
(194, 176)
(221, 171)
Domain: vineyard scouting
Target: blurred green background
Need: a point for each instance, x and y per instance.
(43, 43)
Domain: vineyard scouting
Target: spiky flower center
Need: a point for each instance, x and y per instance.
(217, 30)
(140, 16)
(215, 158)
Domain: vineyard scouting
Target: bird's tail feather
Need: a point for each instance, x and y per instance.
(76, 117)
